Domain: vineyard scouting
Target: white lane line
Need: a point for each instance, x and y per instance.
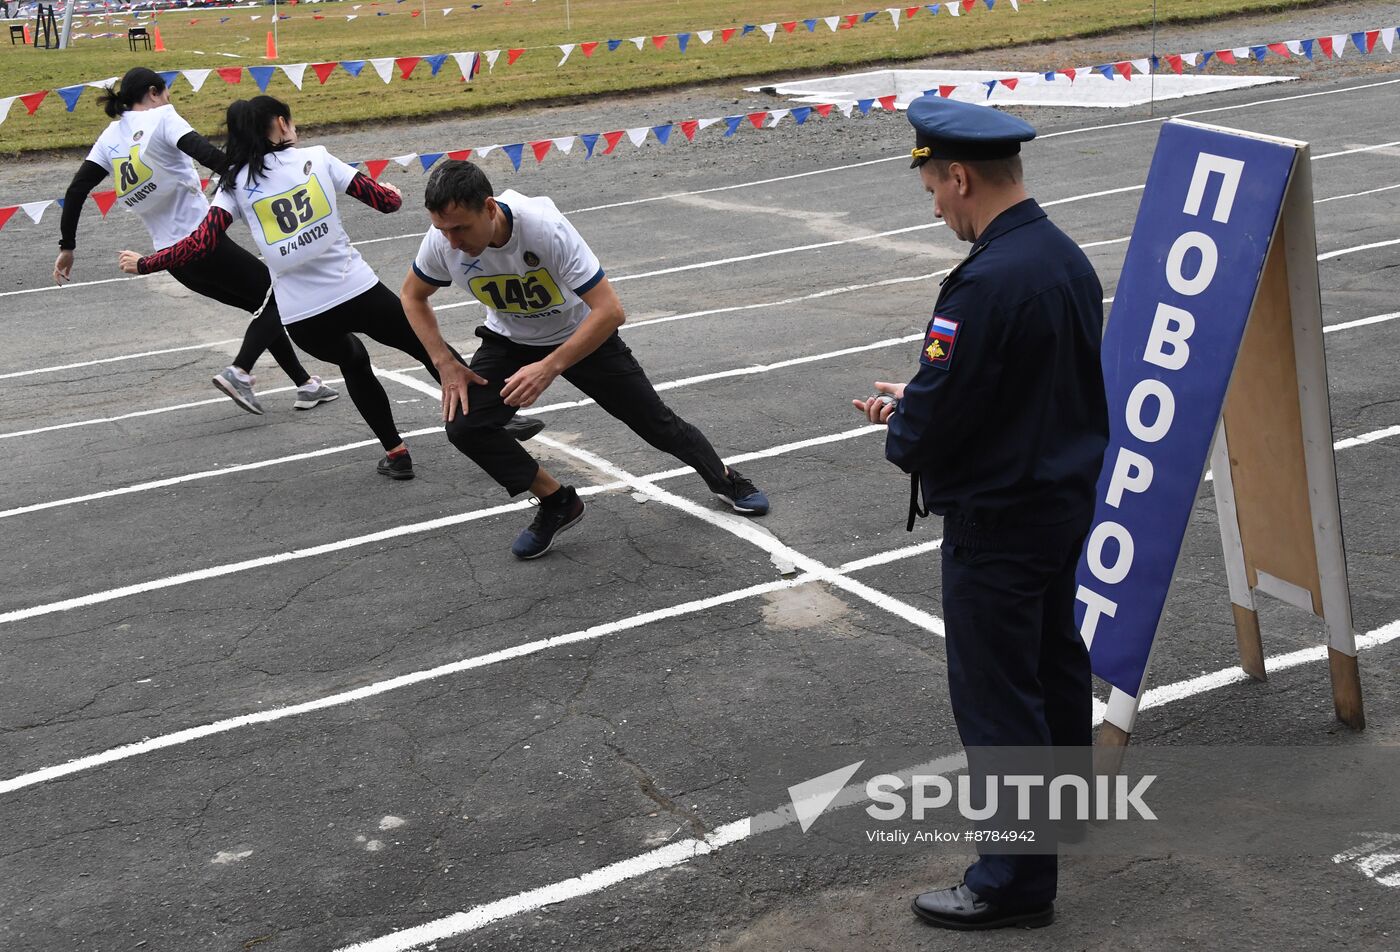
(210, 345)
(1362, 322)
(1365, 438)
(1371, 191)
(1346, 251)
(683, 851)
(187, 735)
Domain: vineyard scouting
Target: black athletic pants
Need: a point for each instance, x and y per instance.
(330, 336)
(610, 375)
(231, 275)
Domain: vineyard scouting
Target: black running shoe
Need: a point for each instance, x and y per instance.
(741, 495)
(522, 428)
(563, 511)
(396, 467)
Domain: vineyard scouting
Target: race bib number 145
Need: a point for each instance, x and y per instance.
(287, 213)
(513, 294)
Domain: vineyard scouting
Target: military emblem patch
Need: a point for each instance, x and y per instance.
(306, 169)
(938, 346)
(136, 137)
(531, 259)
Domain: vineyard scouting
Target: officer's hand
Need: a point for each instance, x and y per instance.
(524, 386)
(63, 267)
(879, 408)
(456, 376)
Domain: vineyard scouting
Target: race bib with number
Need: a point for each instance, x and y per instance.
(132, 173)
(522, 296)
(288, 213)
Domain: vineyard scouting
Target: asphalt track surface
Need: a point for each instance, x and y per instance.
(255, 696)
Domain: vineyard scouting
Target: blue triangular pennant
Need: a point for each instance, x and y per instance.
(663, 133)
(435, 61)
(352, 67)
(867, 17)
(989, 3)
(991, 85)
(613, 45)
(811, 25)
(733, 123)
(1358, 40)
(933, 8)
(748, 28)
(1205, 58)
(864, 106)
(1307, 48)
(60, 202)
(684, 40)
(1050, 76)
(262, 75)
(71, 94)
(428, 158)
(800, 113)
(169, 75)
(1258, 52)
(513, 152)
(589, 140)
(1105, 71)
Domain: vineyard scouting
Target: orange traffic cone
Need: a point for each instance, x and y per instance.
(159, 43)
(28, 40)
(271, 47)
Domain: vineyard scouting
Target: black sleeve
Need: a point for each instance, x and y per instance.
(203, 151)
(89, 176)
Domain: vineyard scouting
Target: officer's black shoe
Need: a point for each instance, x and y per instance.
(399, 466)
(558, 512)
(522, 428)
(961, 908)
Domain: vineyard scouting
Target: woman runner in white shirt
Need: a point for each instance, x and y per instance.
(324, 291)
(148, 147)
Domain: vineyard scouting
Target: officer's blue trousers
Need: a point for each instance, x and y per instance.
(1018, 671)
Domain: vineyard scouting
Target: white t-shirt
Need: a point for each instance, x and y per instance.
(533, 285)
(292, 212)
(153, 177)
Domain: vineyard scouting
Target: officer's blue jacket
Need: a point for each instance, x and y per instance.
(1006, 420)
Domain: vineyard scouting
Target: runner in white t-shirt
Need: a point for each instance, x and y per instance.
(550, 312)
(323, 290)
(148, 148)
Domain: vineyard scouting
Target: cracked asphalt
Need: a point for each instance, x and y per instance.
(346, 804)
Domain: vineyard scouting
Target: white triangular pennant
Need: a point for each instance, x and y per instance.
(637, 41)
(35, 210)
(466, 62)
(1388, 37)
(705, 36)
(104, 83)
(777, 115)
(638, 135)
(5, 106)
(846, 108)
(351, 16)
(1294, 46)
(953, 8)
(1142, 66)
(831, 22)
(403, 160)
(258, 17)
(446, 11)
(769, 29)
(565, 143)
(1190, 59)
(295, 72)
(196, 77)
(1241, 52)
(894, 13)
(384, 66)
(566, 49)
(1339, 44)
(706, 123)
(486, 150)
(491, 57)
(1015, 5)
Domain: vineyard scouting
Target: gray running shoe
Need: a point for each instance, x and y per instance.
(239, 392)
(313, 392)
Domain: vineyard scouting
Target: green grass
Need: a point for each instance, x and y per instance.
(534, 78)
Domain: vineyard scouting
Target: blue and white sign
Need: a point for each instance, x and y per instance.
(1212, 202)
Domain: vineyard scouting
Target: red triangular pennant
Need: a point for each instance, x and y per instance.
(7, 213)
(588, 48)
(541, 148)
(375, 167)
(886, 103)
(1125, 70)
(1174, 61)
(910, 11)
(1225, 56)
(1371, 37)
(406, 65)
(204, 183)
(726, 35)
(612, 139)
(317, 16)
(967, 5)
(946, 91)
(850, 21)
(1071, 73)
(233, 75)
(460, 155)
(513, 55)
(324, 70)
(757, 119)
(689, 127)
(1323, 41)
(104, 200)
(1280, 49)
(414, 13)
(658, 41)
(31, 101)
(789, 26)
(1010, 83)
(823, 109)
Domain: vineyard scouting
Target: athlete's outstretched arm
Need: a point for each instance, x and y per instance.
(454, 375)
(88, 177)
(192, 247)
(381, 197)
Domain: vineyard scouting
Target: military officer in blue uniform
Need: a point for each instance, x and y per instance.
(1003, 430)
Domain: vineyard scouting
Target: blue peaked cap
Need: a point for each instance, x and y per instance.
(953, 130)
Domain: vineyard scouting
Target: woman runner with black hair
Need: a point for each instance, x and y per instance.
(324, 290)
(148, 147)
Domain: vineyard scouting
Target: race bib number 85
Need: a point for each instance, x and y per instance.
(512, 294)
(284, 215)
(132, 173)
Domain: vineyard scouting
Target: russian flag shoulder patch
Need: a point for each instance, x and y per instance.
(938, 345)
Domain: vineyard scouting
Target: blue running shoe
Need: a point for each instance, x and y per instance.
(561, 511)
(743, 496)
